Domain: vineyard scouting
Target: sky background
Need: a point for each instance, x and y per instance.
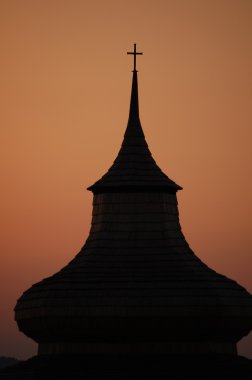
(65, 83)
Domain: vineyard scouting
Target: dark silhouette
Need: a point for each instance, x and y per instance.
(136, 302)
(135, 53)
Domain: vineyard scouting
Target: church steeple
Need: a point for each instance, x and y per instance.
(135, 288)
(134, 169)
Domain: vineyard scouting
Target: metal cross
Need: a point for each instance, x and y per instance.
(135, 53)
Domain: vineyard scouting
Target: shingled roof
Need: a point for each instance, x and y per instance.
(134, 168)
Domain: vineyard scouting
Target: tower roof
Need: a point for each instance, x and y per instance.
(134, 168)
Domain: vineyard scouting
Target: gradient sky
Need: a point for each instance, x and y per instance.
(65, 83)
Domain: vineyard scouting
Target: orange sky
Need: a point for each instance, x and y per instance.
(65, 82)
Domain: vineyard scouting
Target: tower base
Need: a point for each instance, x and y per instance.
(131, 367)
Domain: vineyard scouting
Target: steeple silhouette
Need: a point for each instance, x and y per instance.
(134, 121)
(134, 128)
(136, 289)
(134, 168)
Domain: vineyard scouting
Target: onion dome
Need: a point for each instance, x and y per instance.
(135, 287)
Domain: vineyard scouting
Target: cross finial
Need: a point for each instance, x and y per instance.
(135, 53)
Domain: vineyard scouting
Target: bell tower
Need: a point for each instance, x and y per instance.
(136, 287)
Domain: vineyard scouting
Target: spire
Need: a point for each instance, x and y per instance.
(134, 126)
(134, 168)
(134, 103)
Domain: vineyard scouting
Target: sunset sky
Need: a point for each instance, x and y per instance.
(65, 83)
